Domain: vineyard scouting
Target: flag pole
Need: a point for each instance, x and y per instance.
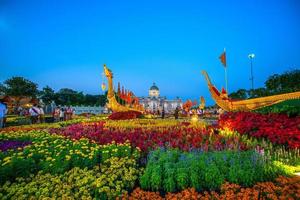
(226, 80)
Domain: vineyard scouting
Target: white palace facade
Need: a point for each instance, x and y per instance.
(154, 102)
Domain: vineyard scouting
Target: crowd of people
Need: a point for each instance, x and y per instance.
(36, 113)
(62, 114)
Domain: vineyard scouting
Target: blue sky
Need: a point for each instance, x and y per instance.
(65, 43)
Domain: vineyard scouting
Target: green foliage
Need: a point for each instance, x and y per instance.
(275, 84)
(17, 121)
(281, 154)
(2, 89)
(273, 152)
(239, 94)
(19, 86)
(66, 96)
(18, 167)
(286, 82)
(47, 95)
(289, 107)
(102, 99)
(172, 170)
(258, 92)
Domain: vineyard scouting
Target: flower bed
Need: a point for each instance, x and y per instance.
(56, 154)
(278, 128)
(13, 144)
(281, 188)
(107, 158)
(184, 137)
(109, 180)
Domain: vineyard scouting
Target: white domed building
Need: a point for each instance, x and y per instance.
(154, 102)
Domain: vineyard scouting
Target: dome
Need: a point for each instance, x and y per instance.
(154, 87)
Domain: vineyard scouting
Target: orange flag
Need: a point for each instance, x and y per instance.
(223, 58)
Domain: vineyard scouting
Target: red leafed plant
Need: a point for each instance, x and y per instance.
(125, 115)
(278, 128)
(183, 137)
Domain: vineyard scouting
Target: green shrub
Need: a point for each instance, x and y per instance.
(171, 170)
(289, 107)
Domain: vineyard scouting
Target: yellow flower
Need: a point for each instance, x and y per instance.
(7, 158)
(48, 158)
(68, 157)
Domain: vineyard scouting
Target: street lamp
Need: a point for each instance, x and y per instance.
(251, 56)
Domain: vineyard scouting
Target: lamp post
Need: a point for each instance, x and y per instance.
(251, 56)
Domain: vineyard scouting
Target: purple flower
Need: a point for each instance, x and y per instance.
(13, 144)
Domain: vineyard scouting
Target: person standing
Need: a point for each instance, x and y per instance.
(20, 110)
(2, 114)
(163, 113)
(176, 113)
(69, 113)
(62, 114)
(41, 114)
(34, 114)
(56, 114)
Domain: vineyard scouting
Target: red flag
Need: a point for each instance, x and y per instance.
(223, 58)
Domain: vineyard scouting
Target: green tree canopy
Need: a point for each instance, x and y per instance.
(19, 86)
(103, 99)
(275, 84)
(2, 89)
(47, 95)
(258, 92)
(240, 94)
(286, 82)
(66, 96)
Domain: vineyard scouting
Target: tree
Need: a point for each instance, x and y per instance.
(286, 82)
(19, 86)
(47, 95)
(90, 99)
(65, 96)
(240, 94)
(2, 89)
(103, 99)
(259, 92)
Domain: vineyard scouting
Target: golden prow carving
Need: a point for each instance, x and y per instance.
(228, 104)
(112, 102)
(202, 103)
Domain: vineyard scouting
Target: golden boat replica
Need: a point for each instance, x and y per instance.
(131, 102)
(227, 104)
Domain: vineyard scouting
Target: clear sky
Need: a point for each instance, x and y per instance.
(65, 43)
